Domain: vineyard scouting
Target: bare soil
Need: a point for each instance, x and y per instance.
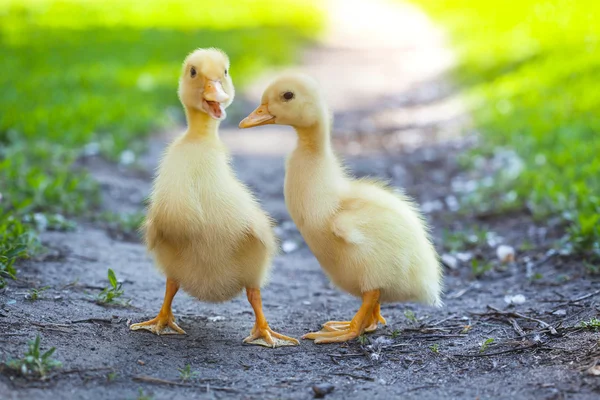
(539, 349)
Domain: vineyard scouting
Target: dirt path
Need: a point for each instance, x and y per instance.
(393, 120)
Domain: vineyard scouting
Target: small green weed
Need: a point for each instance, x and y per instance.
(126, 224)
(395, 333)
(186, 373)
(465, 240)
(363, 339)
(526, 245)
(478, 267)
(485, 345)
(34, 294)
(592, 324)
(143, 396)
(112, 294)
(591, 268)
(435, 348)
(112, 376)
(34, 363)
(537, 276)
(15, 240)
(411, 316)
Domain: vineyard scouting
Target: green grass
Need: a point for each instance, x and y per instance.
(111, 295)
(34, 363)
(530, 70)
(104, 74)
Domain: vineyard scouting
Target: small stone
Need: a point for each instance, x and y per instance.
(323, 389)
(449, 261)
(383, 341)
(288, 225)
(216, 318)
(127, 157)
(452, 203)
(141, 362)
(516, 299)
(288, 246)
(91, 149)
(41, 221)
(560, 313)
(506, 254)
(464, 257)
(431, 206)
(594, 371)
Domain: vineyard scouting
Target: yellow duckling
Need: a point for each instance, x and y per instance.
(205, 229)
(371, 241)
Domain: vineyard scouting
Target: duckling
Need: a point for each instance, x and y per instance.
(371, 241)
(206, 230)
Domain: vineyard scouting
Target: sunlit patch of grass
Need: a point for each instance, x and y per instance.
(77, 72)
(527, 67)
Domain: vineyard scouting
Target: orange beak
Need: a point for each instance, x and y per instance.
(213, 91)
(260, 116)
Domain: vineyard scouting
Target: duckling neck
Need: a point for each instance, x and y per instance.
(314, 178)
(200, 124)
(315, 139)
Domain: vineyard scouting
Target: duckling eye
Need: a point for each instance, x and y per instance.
(193, 72)
(287, 96)
(225, 72)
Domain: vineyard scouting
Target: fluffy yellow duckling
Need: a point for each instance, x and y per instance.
(371, 241)
(205, 229)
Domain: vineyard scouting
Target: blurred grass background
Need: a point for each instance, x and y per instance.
(102, 76)
(531, 69)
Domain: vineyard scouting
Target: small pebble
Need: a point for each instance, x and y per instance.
(506, 254)
(288, 246)
(464, 257)
(91, 149)
(449, 261)
(516, 299)
(323, 389)
(141, 362)
(127, 157)
(560, 313)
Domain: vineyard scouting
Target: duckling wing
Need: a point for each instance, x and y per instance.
(346, 225)
(261, 228)
(151, 234)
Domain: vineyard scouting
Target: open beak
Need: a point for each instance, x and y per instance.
(260, 116)
(213, 97)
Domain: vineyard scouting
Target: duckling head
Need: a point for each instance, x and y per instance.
(205, 84)
(292, 99)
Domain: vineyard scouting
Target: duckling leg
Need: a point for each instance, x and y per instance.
(165, 319)
(345, 325)
(377, 319)
(262, 334)
(363, 319)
